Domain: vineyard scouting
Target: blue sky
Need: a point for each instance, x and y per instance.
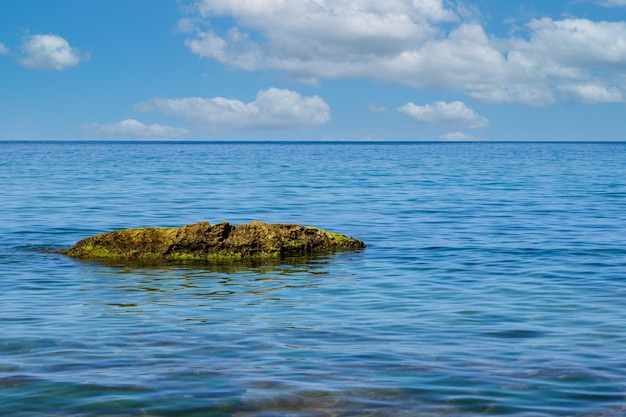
(418, 70)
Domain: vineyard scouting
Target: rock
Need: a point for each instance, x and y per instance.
(221, 242)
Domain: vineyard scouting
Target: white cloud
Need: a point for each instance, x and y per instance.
(424, 44)
(131, 128)
(303, 36)
(314, 39)
(273, 109)
(578, 57)
(454, 114)
(575, 44)
(433, 10)
(3, 49)
(49, 52)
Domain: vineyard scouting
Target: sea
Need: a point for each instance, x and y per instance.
(493, 282)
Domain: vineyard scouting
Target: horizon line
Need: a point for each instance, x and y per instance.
(224, 141)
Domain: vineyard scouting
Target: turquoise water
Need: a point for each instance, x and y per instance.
(494, 281)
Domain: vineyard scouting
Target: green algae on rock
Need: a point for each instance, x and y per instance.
(221, 242)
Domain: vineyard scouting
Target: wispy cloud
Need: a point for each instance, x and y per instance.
(131, 128)
(3, 49)
(454, 114)
(272, 109)
(426, 45)
(375, 108)
(612, 3)
(49, 52)
(590, 93)
(456, 136)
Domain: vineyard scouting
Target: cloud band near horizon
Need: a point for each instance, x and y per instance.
(272, 109)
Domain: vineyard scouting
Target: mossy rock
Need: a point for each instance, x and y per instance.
(218, 243)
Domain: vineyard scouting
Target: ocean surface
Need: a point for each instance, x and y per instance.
(493, 283)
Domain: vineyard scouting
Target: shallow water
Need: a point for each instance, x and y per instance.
(494, 281)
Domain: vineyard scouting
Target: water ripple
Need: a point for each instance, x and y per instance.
(493, 282)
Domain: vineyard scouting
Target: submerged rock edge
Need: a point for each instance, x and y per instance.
(219, 243)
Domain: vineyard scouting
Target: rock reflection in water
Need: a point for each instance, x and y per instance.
(134, 287)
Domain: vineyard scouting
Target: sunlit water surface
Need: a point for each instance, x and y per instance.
(494, 281)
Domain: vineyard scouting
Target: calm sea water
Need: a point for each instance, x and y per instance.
(494, 281)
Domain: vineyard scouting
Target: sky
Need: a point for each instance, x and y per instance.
(322, 70)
